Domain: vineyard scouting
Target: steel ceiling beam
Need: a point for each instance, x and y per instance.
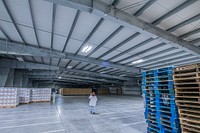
(72, 29)
(25, 65)
(143, 52)
(106, 40)
(93, 74)
(154, 60)
(13, 48)
(43, 74)
(143, 8)
(100, 8)
(132, 48)
(33, 22)
(186, 22)
(174, 11)
(169, 60)
(177, 63)
(53, 23)
(115, 3)
(190, 33)
(96, 27)
(195, 42)
(119, 45)
(13, 21)
(155, 54)
(4, 33)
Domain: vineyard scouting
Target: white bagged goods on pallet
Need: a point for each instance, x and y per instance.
(24, 95)
(9, 97)
(40, 94)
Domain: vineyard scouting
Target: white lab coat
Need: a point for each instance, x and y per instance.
(93, 100)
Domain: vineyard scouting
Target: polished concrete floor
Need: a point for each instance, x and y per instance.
(115, 114)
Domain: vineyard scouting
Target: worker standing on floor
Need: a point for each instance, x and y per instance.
(92, 103)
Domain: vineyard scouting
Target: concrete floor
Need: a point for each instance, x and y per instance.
(115, 114)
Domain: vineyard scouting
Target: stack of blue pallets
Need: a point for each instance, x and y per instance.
(160, 110)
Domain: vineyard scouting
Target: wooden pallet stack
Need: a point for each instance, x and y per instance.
(75, 91)
(187, 87)
(160, 109)
(24, 95)
(103, 91)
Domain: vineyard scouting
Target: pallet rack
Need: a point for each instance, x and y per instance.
(187, 87)
(160, 109)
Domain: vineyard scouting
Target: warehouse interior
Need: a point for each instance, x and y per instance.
(90, 44)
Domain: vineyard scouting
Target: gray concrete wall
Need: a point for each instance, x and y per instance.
(18, 79)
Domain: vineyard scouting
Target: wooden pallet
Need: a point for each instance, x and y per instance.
(8, 107)
(38, 101)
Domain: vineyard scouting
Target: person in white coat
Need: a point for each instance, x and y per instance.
(93, 102)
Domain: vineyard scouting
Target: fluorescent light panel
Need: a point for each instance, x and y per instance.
(20, 59)
(86, 49)
(137, 61)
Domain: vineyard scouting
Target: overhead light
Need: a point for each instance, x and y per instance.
(86, 49)
(122, 75)
(137, 61)
(20, 59)
(102, 72)
(69, 67)
(59, 77)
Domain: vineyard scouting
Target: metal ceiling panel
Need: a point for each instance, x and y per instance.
(81, 65)
(38, 59)
(73, 45)
(28, 58)
(88, 67)
(121, 57)
(44, 38)
(178, 55)
(28, 34)
(20, 11)
(2, 35)
(63, 19)
(10, 30)
(84, 25)
(110, 55)
(158, 9)
(187, 28)
(146, 46)
(42, 14)
(122, 35)
(133, 42)
(3, 13)
(126, 3)
(106, 29)
(108, 1)
(157, 64)
(46, 60)
(63, 62)
(99, 52)
(193, 37)
(58, 42)
(55, 61)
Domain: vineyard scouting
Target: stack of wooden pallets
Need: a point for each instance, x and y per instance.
(160, 109)
(187, 86)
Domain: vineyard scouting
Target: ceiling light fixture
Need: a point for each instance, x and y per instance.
(20, 59)
(69, 67)
(59, 77)
(86, 49)
(137, 61)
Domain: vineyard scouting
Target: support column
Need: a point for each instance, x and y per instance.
(4, 72)
(10, 79)
(18, 79)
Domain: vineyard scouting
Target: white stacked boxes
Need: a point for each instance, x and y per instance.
(40, 94)
(24, 95)
(9, 97)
